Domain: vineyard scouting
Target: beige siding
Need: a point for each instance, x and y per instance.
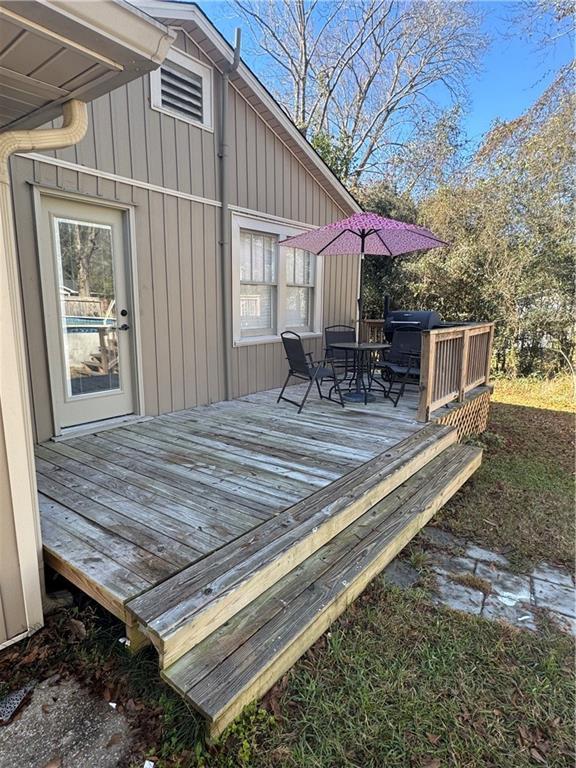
(125, 135)
(178, 293)
(176, 239)
(12, 610)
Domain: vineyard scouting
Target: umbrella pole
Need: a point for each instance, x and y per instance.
(360, 298)
(360, 290)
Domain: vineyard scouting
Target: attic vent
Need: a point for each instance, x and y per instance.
(182, 92)
(182, 87)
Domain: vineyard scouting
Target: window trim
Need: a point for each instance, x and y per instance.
(198, 68)
(272, 226)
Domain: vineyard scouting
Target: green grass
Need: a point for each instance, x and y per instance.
(521, 501)
(401, 683)
(557, 394)
(397, 682)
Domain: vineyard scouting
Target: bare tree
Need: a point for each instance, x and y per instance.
(364, 76)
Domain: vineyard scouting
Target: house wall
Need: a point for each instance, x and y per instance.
(168, 170)
(12, 606)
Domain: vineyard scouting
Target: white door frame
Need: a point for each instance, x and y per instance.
(130, 256)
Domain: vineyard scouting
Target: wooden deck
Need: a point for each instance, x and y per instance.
(124, 509)
(212, 524)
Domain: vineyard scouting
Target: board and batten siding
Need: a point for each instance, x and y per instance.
(13, 620)
(176, 239)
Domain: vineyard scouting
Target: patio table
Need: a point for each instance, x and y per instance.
(362, 353)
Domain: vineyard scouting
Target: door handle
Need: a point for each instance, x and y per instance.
(124, 327)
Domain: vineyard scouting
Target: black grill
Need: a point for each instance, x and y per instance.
(412, 320)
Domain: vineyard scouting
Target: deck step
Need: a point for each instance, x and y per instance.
(243, 658)
(183, 610)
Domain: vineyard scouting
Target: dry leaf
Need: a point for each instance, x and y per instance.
(524, 734)
(31, 656)
(78, 629)
(116, 738)
(434, 763)
(537, 756)
(432, 738)
(54, 763)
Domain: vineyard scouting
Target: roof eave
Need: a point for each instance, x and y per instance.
(126, 40)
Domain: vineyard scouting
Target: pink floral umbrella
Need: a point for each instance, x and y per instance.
(365, 234)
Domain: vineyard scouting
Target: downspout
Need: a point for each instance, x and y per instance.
(225, 247)
(72, 131)
(14, 399)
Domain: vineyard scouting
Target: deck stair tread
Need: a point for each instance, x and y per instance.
(187, 607)
(244, 657)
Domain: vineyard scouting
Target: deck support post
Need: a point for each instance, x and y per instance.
(137, 638)
(427, 357)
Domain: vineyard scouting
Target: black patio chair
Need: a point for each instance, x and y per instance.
(339, 334)
(302, 366)
(401, 362)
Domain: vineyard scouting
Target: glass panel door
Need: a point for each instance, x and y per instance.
(88, 312)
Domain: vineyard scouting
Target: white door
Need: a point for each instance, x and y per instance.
(88, 312)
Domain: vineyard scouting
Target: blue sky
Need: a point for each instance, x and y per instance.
(514, 70)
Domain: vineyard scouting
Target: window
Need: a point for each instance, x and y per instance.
(182, 87)
(299, 289)
(258, 289)
(274, 288)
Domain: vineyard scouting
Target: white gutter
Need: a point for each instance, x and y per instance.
(14, 395)
(116, 29)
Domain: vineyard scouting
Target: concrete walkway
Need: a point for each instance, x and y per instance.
(479, 581)
(65, 726)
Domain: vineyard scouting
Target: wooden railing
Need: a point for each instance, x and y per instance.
(373, 331)
(453, 361)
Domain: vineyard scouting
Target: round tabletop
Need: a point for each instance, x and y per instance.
(360, 346)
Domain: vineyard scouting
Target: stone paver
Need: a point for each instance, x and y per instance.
(479, 553)
(555, 597)
(436, 537)
(554, 574)
(401, 574)
(67, 726)
(510, 588)
(566, 623)
(458, 596)
(518, 614)
(444, 563)
(514, 597)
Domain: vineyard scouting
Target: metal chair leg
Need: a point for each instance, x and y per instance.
(281, 395)
(339, 391)
(312, 380)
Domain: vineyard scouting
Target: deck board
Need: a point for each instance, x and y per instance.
(242, 658)
(124, 509)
